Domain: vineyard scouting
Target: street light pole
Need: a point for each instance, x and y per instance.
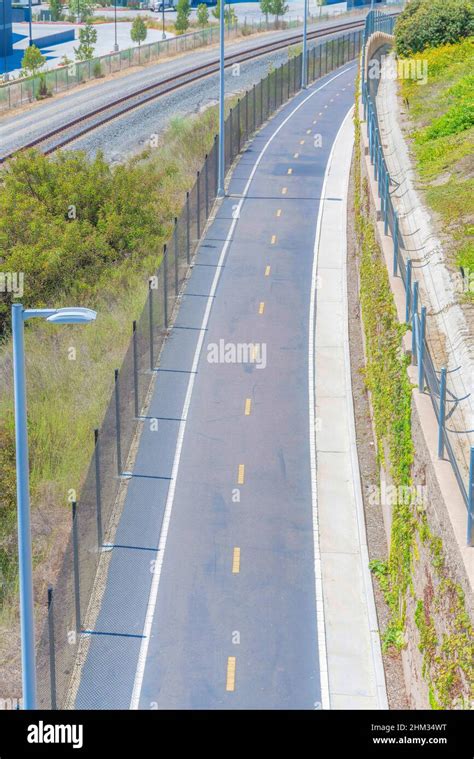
(30, 27)
(163, 35)
(116, 47)
(305, 46)
(221, 157)
(25, 562)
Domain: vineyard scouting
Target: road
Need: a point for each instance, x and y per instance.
(214, 595)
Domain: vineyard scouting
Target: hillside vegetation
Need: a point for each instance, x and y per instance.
(83, 233)
(442, 113)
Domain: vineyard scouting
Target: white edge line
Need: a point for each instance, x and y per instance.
(357, 488)
(140, 671)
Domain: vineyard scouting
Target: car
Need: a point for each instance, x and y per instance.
(157, 6)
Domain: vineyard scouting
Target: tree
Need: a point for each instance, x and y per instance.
(202, 15)
(56, 9)
(32, 60)
(183, 9)
(321, 3)
(87, 40)
(278, 8)
(430, 23)
(265, 7)
(139, 30)
(229, 13)
(82, 9)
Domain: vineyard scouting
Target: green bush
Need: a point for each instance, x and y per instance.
(430, 23)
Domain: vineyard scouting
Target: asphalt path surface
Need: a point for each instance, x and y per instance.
(211, 598)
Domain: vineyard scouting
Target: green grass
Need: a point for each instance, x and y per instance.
(442, 113)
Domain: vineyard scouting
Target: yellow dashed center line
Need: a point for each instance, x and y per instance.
(267, 271)
(274, 239)
(236, 561)
(279, 212)
(230, 680)
(290, 171)
(301, 142)
(261, 307)
(284, 190)
(241, 474)
(248, 406)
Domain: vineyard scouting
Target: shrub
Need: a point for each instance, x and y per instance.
(97, 70)
(430, 23)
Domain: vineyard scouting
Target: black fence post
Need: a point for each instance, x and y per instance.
(267, 79)
(206, 184)
(246, 115)
(52, 648)
(231, 156)
(75, 545)
(117, 423)
(216, 166)
(327, 53)
(320, 61)
(238, 126)
(261, 102)
(98, 503)
(281, 84)
(276, 85)
(198, 219)
(188, 240)
(150, 319)
(176, 255)
(135, 367)
(165, 283)
(254, 109)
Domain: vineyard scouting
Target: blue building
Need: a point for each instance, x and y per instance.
(6, 43)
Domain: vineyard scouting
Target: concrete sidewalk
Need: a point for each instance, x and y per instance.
(356, 675)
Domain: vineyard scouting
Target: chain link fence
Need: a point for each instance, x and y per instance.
(455, 442)
(73, 603)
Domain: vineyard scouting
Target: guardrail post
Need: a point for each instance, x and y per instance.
(98, 502)
(165, 284)
(386, 201)
(395, 245)
(135, 367)
(52, 648)
(470, 503)
(117, 423)
(413, 321)
(75, 545)
(198, 219)
(176, 255)
(421, 351)
(442, 413)
(408, 267)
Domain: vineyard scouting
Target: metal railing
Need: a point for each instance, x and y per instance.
(429, 377)
(72, 603)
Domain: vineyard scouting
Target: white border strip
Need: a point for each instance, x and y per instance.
(323, 664)
(376, 651)
(137, 687)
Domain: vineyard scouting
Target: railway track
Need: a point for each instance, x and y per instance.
(72, 130)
